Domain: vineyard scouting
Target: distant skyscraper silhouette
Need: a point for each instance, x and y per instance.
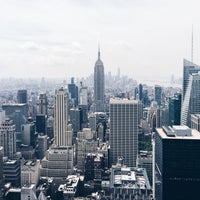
(158, 94)
(191, 92)
(140, 92)
(99, 85)
(43, 103)
(73, 89)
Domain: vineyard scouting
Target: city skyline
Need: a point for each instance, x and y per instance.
(41, 39)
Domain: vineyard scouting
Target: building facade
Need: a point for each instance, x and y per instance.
(191, 101)
(158, 94)
(175, 109)
(99, 85)
(73, 90)
(43, 104)
(195, 121)
(12, 172)
(60, 118)
(75, 119)
(30, 172)
(124, 130)
(58, 163)
(22, 96)
(8, 138)
(177, 163)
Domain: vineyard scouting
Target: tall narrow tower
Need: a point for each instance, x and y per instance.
(60, 118)
(99, 84)
(158, 94)
(43, 103)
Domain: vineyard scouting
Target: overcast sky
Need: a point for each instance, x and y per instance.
(59, 38)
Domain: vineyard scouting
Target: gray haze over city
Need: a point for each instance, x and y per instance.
(60, 38)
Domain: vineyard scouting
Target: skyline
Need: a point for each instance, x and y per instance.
(40, 39)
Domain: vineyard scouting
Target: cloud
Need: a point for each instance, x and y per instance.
(32, 46)
(121, 44)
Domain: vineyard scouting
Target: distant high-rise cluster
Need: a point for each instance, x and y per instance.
(83, 141)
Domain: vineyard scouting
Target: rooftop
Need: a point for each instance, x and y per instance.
(122, 101)
(30, 163)
(178, 132)
(133, 178)
(70, 186)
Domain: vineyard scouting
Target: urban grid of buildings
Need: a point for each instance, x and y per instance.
(101, 137)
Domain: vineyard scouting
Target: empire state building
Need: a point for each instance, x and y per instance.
(99, 85)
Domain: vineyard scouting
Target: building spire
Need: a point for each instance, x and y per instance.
(192, 49)
(98, 51)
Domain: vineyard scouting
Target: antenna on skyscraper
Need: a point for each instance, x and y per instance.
(192, 40)
(98, 51)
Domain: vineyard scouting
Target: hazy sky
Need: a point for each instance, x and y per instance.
(59, 38)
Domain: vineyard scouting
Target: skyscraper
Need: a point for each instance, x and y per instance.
(99, 85)
(16, 112)
(195, 121)
(83, 96)
(140, 92)
(1, 171)
(124, 130)
(175, 109)
(188, 69)
(60, 118)
(8, 138)
(158, 94)
(73, 90)
(43, 104)
(191, 97)
(177, 163)
(41, 124)
(22, 96)
(75, 119)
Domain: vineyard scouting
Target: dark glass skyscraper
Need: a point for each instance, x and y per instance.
(158, 94)
(175, 109)
(41, 124)
(22, 96)
(177, 163)
(140, 92)
(99, 85)
(73, 89)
